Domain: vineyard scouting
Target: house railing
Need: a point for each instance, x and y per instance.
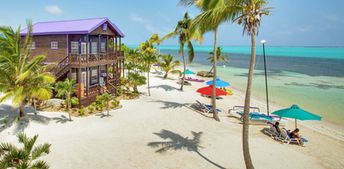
(94, 58)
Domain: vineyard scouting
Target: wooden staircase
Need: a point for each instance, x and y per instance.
(61, 68)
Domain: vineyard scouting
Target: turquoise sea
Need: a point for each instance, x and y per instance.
(312, 77)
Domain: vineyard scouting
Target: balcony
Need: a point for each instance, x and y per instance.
(87, 60)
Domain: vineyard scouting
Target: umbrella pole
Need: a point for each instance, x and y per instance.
(295, 123)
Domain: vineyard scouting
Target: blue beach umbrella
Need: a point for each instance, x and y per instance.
(219, 83)
(189, 72)
(296, 113)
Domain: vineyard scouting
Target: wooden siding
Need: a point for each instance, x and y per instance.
(99, 31)
(43, 46)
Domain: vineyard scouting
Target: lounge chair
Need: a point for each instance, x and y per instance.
(285, 138)
(273, 132)
(206, 108)
(256, 117)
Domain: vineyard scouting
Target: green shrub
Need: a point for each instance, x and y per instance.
(81, 111)
(114, 103)
(91, 108)
(118, 91)
(75, 101)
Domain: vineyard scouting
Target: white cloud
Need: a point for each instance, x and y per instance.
(148, 25)
(137, 18)
(53, 9)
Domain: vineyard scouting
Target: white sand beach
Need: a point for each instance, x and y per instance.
(130, 137)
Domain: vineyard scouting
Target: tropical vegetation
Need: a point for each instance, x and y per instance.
(168, 64)
(220, 57)
(24, 157)
(23, 78)
(149, 57)
(105, 100)
(66, 89)
(185, 35)
(247, 13)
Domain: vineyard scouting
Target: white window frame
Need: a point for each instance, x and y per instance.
(77, 47)
(102, 47)
(54, 45)
(94, 47)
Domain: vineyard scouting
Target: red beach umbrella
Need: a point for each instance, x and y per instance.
(208, 91)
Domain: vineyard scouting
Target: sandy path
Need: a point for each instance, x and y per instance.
(127, 138)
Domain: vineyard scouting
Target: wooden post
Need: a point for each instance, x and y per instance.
(79, 86)
(87, 80)
(116, 44)
(87, 49)
(107, 75)
(120, 44)
(99, 72)
(99, 47)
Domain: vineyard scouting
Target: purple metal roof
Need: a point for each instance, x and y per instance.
(81, 26)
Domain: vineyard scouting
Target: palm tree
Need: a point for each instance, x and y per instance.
(185, 36)
(213, 13)
(168, 64)
(66, 89)
(250, 18)
(105, 98)
(25, 157)
(149, 58)
(134, 80)
(23, 77)
(219, 57)
(155, 39)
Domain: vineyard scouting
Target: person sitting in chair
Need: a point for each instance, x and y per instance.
(295, 134)
(276, 126)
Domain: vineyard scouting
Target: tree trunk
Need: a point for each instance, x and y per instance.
(210, 71)
(107, 108)
(21, 110)
(69, 105)
(213, 96)
(184, 67)
(149, 94)
(34, 105)
(245, 132)
(158, 48)
(165, 76)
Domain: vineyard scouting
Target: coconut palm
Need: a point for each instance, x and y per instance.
(155, 39)
(23, 77)
(105, 99)
(213, 14)
(25, 157)
(220, 57)
(185, 36)
(149, 57)
(250, 18)
(66, 89)
(168, 64)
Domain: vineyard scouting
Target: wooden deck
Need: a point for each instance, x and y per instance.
(89, 60)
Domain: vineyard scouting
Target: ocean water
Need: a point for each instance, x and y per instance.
(312, 77)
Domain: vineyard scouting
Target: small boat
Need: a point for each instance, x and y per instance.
(194, 79)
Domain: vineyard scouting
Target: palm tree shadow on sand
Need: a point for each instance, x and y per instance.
(9, 117)
(178, 142)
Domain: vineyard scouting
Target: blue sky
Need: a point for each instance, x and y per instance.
(291, 23)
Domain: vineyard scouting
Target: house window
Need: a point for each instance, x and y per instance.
(94, 76)
(54, 45)
(74, 47)
(102, 47)
(94, 47)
